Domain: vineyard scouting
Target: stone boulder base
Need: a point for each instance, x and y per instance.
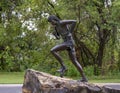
(40, 82)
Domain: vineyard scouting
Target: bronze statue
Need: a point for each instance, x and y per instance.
(64, 29)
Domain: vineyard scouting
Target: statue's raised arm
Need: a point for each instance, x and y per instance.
(72, 24)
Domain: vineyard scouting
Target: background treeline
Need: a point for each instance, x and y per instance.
(26, 40)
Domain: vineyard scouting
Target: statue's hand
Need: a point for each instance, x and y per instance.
(56, 35)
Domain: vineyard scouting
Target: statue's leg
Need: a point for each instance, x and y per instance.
(55, 51)
(73, 58)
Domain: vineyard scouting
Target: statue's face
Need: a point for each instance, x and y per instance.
(53, 22)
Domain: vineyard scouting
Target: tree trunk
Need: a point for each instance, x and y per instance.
(98, 61)
(39, 82)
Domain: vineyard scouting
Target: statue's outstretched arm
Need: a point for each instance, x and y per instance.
(71, 22)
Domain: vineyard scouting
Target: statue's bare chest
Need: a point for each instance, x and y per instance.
(62, 30)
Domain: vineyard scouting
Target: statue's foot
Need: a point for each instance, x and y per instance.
(62, 70)
(83, 80)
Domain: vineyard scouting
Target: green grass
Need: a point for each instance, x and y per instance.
(18, 78)
(11, 77)
(105, 81)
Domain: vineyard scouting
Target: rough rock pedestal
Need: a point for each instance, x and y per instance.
(40, 82)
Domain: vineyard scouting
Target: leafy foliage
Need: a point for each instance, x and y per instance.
(25, 35)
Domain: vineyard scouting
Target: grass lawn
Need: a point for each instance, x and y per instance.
(105, 81)
(11, 77)
(18, 78)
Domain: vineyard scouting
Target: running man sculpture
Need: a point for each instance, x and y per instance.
(62, 30)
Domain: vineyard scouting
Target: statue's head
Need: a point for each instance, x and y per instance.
(53, 19)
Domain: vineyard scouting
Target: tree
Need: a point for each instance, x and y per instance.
(96, 27)
(25, 33)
